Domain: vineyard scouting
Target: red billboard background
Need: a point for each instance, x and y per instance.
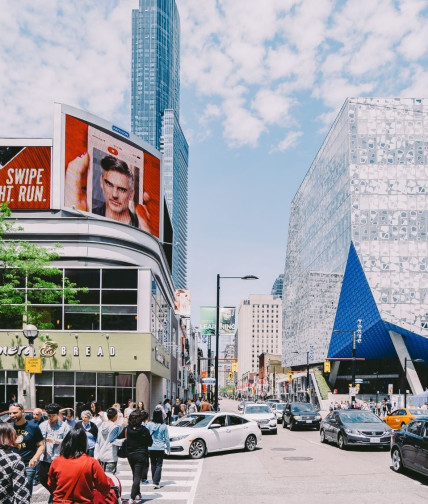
(77, 146)
(25, 177)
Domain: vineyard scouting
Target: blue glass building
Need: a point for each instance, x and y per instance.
(155, 90)
(357, 245)
(175, 176)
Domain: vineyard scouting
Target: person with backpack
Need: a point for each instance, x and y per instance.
(105, 450)
(159, 432)
(138, 440)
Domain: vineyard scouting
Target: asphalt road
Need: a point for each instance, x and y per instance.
(296, 467)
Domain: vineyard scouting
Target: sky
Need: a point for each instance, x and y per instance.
(261, 84)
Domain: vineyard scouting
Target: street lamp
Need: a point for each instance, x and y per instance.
(356, 338)
(405, 376)
(217, 330)
(31, 332)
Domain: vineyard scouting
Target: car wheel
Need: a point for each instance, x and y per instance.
(397, 461)
(251, 442)
(322, 436)
(275, 431)
(341, 442)
(197, 449)
(284, 425)
(292, 425)
(403, 425)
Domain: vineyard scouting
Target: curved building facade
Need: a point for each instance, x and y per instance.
(357, 246)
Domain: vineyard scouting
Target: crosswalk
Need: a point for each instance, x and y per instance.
(179, 482)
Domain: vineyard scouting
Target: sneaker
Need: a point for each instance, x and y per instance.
(145, 482)
(156, 485)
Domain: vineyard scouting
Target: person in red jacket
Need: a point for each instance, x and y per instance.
(74, 475)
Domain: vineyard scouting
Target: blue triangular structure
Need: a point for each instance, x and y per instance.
(357, 302)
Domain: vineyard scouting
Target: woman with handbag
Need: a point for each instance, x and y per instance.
(75, 477)
(137, 441)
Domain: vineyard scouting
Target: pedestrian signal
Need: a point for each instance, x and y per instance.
(230, 376)
(327, 366)
(290, 377)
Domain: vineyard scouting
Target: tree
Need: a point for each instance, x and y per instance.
(27, 278)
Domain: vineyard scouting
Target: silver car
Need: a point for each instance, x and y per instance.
(263, 415)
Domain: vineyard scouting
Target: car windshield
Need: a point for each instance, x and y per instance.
(280, 407)
(257, 408)
(193, 421)
(302, 408)
(359, 417)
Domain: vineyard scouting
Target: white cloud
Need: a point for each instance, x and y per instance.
(271, 106)
(290, 140)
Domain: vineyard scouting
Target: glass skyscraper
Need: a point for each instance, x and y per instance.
(175, 162)
(155, 110)
(357, 243)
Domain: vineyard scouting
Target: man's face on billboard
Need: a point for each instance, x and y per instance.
(117, 192)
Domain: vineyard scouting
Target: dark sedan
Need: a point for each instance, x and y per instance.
(300, 414)
(355, 428)
(409, 447)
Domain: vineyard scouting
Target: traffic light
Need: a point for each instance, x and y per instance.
(290, 377)
(327, 366)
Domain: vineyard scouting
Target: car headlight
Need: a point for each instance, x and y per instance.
(353, 431)
(297, 417)
(318, 417)
(178, 438)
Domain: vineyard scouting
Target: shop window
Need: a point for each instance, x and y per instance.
(48, 317)
(124, 380)
(106, 379)
(43, 396)
(119, 297)
(64, 396)
(44, 296)
(106, 397)
(119, 279)
(11, 320)
(85, 379)
(64, 378)
(85, 395)
(81, 317)
(44, 378)
(89, 278)
(92, 296)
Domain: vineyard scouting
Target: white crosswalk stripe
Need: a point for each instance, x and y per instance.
(178, 484)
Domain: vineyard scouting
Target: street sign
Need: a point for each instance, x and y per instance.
(358, 380)
(208, 381)
(33, 365)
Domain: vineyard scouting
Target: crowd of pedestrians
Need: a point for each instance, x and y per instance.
(34, 452)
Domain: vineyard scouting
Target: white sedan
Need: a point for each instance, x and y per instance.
(262, 414)
(197, 434)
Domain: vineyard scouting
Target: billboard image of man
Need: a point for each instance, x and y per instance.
(117, 185)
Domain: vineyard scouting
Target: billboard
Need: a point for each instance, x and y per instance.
(208, 321)
(182, 302)
(109, 175)
(25, 174)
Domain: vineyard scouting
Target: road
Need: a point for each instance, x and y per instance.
(296, 467)
(287, 467)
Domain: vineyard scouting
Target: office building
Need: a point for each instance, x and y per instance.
(278, 286)
(259, 331)
(155, 111)
(357, 253)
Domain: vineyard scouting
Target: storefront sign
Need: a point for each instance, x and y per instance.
(49, 349)
(161, 358)
(33, 365)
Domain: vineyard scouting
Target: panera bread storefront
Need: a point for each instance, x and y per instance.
(81, 367)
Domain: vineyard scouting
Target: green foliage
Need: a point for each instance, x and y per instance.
(322, 384)
(27, 264)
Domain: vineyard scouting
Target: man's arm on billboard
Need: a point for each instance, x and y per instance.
(143, 214)
(76, 181)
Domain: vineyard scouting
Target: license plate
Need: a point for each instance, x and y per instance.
(375, 440)
(308, 421)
